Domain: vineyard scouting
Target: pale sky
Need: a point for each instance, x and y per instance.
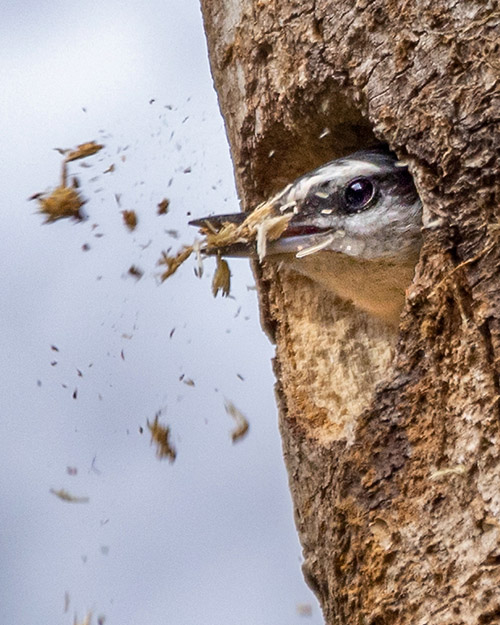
(209, 539)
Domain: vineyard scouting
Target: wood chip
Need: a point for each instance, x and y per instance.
(83, 150)
(135, 272)
(163, 207)
(160, 435)
(64, 202)
(260, 226)
(130, 219)
(64, 495)
(222, 278)
(174, 262)
(242, 424)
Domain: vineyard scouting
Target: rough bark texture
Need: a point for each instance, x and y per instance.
(394, 468)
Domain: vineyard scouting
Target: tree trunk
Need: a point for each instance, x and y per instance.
(393, 449)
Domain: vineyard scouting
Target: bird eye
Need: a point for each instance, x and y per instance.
(358, 194)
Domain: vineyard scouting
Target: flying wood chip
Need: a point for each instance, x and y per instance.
(242, 424)
(135, 272)
(83, 150)
(163, 207)
(86, 621)
(65, 201)
(62, 203)
(174, 262)
(160, 435)
(222, 278)
(130, 219)
(64, 495)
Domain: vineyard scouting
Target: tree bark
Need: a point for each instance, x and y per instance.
(391, 443)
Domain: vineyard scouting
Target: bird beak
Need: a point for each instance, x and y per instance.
(298, 237)
(215, 223)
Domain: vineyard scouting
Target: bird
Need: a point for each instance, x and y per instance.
(355, 229)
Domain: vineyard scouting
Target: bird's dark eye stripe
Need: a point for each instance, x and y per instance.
(358, 194)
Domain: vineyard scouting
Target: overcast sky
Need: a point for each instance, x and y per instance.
(89, 354)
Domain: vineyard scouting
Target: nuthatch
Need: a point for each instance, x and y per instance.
(355, 230)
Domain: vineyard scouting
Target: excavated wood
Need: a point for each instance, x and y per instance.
(394, 469)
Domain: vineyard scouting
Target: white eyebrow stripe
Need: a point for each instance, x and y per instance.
(333, 170)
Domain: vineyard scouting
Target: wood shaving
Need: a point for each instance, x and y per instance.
(459, 469)
(163, 207)
(64, 495)
(242, 424)
(222, 278)
(269, 230)
(62, 203)
(174, 262)
(260, 226)
(198, 270)
(130, 219)
(87, 620)
(160, 435)
(317, 247)
(135, 272)
(65, 201)
(83, 150)
(248, 230)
